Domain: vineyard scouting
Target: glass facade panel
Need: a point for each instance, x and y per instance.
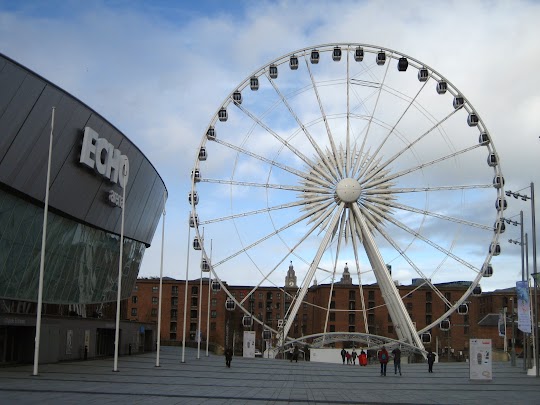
(81, 262)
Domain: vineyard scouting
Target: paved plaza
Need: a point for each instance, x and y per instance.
(257, 381)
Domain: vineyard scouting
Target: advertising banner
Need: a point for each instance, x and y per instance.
(249, 343)
(523, 306)
(502, 325)
(480, 366)
(69, 341)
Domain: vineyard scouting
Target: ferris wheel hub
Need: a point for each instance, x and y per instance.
(348, 190)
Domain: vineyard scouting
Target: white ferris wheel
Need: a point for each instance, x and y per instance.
(347, 155)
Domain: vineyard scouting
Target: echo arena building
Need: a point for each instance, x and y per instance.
(91, 161)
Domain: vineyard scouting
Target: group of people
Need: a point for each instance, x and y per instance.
(350, 358)
(383, 357)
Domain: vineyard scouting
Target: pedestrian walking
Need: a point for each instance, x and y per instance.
(295, 354)
(354, 356)
(383, 359)
(343, 354)
(362, 359)
(348, 356)
(397, 360)
(228, 356)
(430, 361)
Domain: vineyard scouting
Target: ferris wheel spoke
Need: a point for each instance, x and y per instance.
(410, 145)
(292, 251)
(319, 151)
(393, 204)
(352, 225)
(391, 131)
(401, 225)
(396, 308)
(311, 272)
(349, 155)
(284, 142)
(269, 185)
(273, 163)
(418, 167)
(374, 109)
(310, 213)
(261, 211)
(340, 224)
(333, 164)
(402, 253)
(387, 190)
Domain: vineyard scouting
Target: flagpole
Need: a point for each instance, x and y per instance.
(161, 281)
(185, 298)
(42, 260)
(119, 292)
(208, 303)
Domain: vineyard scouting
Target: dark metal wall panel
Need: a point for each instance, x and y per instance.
(16, 114)
(103, 212)
(153, 210)
(76, 191)
(135, 202)
(11, 78)
(28, 154)
(71, 116)
(75, 187)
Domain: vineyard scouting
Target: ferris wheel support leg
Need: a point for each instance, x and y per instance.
(309, 276)
(398, 313)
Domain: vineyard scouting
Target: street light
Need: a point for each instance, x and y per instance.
(513, 353)
(524, 197)
(515, 223)
(230, 306)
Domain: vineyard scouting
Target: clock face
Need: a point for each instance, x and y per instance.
(291, 283)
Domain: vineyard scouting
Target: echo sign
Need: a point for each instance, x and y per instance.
(100, 155)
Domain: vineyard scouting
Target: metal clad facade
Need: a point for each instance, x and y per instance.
(83, 225)
(25, 112)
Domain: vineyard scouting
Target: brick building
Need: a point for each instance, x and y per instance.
(478, 319)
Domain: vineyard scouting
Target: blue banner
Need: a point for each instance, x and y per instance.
(523, 306)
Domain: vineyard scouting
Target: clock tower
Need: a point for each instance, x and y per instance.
(290, 278)
(346, 277)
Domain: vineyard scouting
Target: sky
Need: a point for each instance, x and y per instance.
(159, 71)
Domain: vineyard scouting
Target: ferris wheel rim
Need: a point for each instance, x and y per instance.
(395, 55)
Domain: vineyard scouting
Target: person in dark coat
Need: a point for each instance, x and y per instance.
(296, 351)
(383, 359)
(228, 356)
(430, 361)
(397, 360)
(354, 355)
(343, 354)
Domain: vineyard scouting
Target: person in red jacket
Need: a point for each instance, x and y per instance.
(383, 358)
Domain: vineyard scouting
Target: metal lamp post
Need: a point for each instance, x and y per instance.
(513, 353)
(158, 346)
(230, 306)
(535, 269)
(42, 260)
(535, 277)
(524, 265)
(124, 180)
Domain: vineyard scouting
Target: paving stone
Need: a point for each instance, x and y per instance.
(206, 380)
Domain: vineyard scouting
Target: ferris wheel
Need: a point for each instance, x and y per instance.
(347, 156)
